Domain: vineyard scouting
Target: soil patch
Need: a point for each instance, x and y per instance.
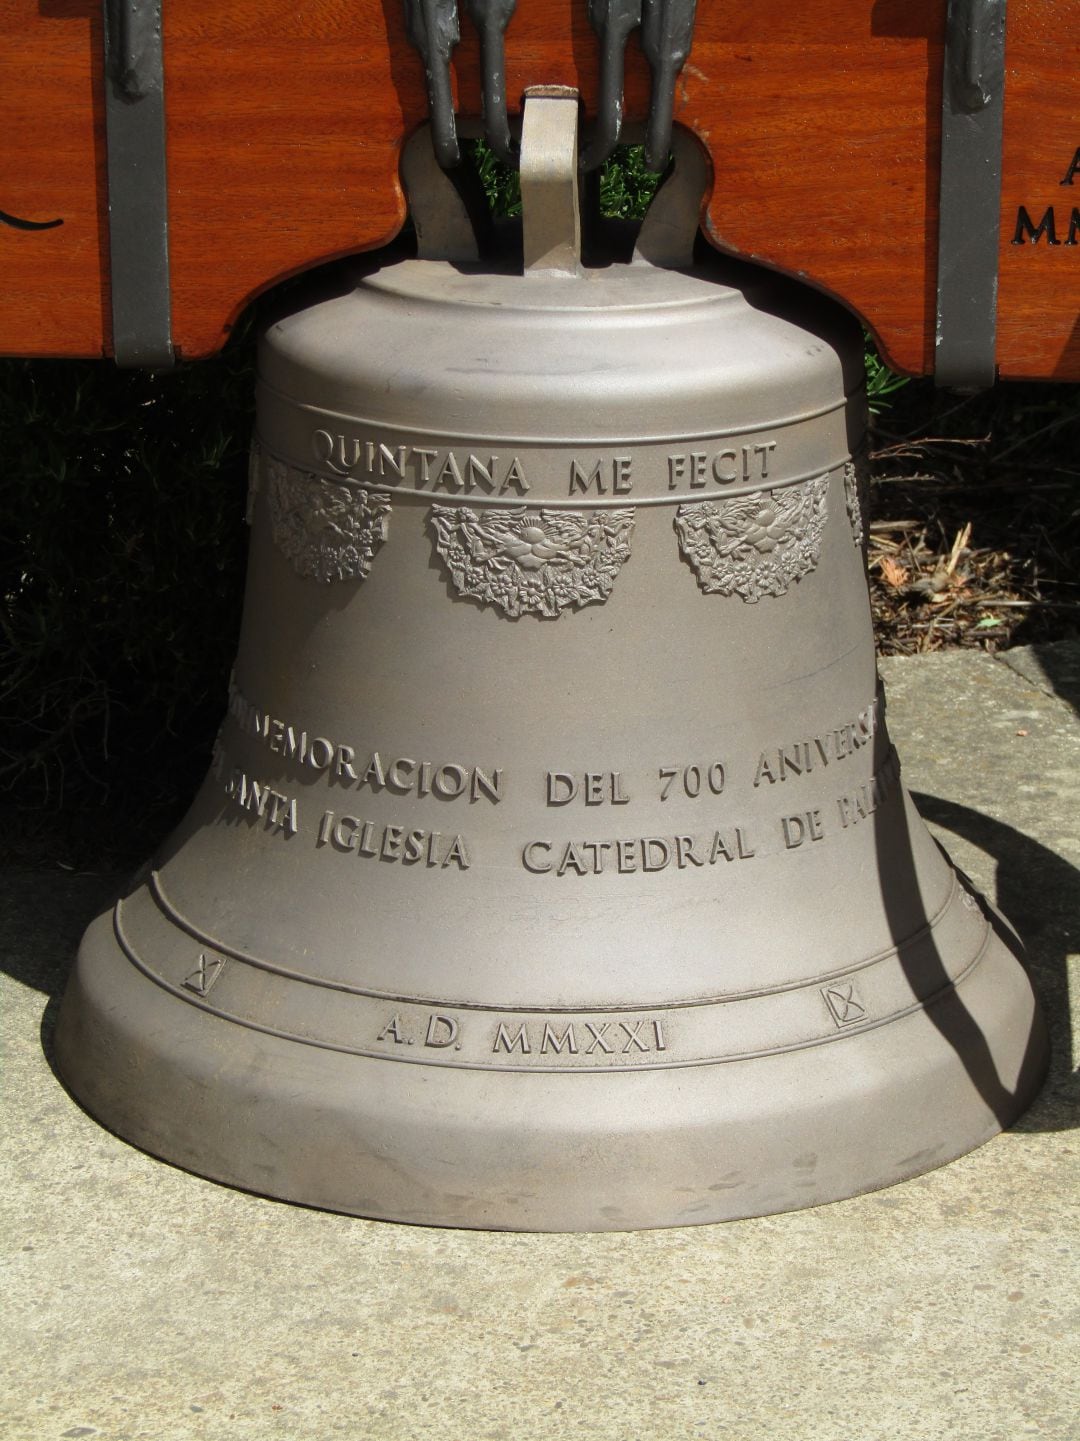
(975, 519)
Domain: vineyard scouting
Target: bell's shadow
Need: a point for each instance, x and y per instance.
(1059, 669)
(1039, 893)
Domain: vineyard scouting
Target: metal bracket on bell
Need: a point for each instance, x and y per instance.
(491, 17)
(670, 227)
(433, 28)
(613, 20)
(551, 217)
(445, 224)
(451, 224)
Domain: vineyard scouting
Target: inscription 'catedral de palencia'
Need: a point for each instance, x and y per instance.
(422, 845)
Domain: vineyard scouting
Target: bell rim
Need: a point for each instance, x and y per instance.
(662, 1148)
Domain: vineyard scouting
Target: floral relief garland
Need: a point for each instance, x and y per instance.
(526, 559)
(757, 544)
(327, 531)
(856, 495)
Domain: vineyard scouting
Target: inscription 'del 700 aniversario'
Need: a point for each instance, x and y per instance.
(377, 770)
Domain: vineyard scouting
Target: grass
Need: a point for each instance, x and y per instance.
(625, 185)
(881, 382)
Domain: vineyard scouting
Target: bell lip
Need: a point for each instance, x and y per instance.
(399, 1154)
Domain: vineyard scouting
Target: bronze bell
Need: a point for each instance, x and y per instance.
(554, 870)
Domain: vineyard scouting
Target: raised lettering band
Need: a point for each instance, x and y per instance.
(506, 471)
(248, 991)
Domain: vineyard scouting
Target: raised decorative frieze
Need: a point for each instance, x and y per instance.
(327, 531)
(757, 544)
(856, 496)
(526, 559)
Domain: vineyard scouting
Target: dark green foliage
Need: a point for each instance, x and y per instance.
(121, 564)
(501, 184)
(881, 382)
(626, 187)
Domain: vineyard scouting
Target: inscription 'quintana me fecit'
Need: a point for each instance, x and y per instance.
(424, 467)
(697, 469)
(686, 470)
(480, 471)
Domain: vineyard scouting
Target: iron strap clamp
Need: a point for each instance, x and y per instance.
(666, 26)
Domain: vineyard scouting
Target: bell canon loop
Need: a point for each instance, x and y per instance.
(554, 869)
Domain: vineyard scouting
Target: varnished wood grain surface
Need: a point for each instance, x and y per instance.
(1039, 294)
(285, 122)
(53, 289)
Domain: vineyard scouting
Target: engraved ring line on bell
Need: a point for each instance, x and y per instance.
(923, 1004)
(204, 938)
(289, 402)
